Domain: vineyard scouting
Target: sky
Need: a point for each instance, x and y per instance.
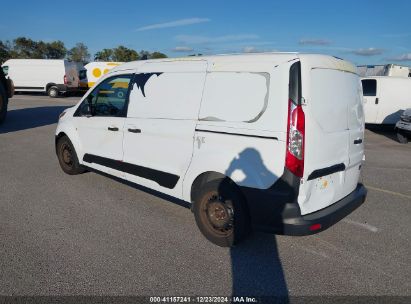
(361, 31)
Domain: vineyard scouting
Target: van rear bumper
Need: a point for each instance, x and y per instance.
(270, 212)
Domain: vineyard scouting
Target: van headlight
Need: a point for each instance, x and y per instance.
(62, 114)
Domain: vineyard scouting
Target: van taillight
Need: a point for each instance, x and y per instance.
(65, 79)
(294, 160)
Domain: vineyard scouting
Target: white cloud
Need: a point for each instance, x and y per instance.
(175, 23)
(250, 49)
(182, 49)
(314, 42)
(194, 39)
(368, 51)
(403, 57)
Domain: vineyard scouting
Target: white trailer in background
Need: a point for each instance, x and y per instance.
(52, 76)
(93, 71)
(384, 70)
(385, 98)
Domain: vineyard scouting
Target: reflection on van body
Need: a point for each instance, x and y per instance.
(266, 141)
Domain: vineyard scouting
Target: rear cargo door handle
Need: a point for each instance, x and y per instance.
(358, 141)
(132, 130)
(376, 100)
(112, 128)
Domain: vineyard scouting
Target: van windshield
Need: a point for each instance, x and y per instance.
(82, 74)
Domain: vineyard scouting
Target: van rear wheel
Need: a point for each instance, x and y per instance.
(402, 138)
(53, 92)
(221, 213)
(67, 157)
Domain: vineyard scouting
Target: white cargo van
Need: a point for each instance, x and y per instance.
(385, 98)
(273, 141)
(52, 76)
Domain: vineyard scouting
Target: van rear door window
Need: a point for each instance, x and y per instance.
(234, 96)
(369, 87)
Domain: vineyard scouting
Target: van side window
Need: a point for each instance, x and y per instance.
(109, 98)
(369, 87)
(175, 95)
(235, 96)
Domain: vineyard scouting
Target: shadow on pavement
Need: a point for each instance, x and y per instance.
(257, 269)
(385, 130)
(28, 118)
(255, 263)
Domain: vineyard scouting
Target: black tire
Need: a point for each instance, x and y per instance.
(402, 138)
(3, 104)
(53, 92)
(221, 214)
(67, 157)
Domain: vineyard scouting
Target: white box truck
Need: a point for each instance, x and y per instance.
(384, 70)
(92, 72)
(52, 76)
(385, 98)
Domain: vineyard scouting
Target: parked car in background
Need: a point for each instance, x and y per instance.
(403, 127)
(6, 92)
(93, 71)
(52, 76)
(273, 140)
(385, 98)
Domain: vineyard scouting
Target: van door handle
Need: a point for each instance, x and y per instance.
(357, 141)
(134, 130)
(376, 100)
(112, 128)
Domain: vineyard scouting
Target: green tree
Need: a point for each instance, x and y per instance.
(4, 51)
(157, 55)
(24, 48)
(104, 55)
(144, 55)
(56, 50)
(79, 53)
(121, 53)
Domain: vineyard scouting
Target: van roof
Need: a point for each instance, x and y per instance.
(33, 61)
(311, 60)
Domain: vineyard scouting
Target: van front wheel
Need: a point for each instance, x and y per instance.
(221, 214)
(67, 157)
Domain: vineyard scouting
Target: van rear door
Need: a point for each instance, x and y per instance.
(334, 135)
(371, 100)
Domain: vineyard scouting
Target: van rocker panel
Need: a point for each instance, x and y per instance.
(164, 179)
(276, 210)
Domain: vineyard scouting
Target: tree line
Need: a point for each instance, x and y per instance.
(26, 48)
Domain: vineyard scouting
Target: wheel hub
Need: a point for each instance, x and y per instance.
(67, 155)
(219, 214)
